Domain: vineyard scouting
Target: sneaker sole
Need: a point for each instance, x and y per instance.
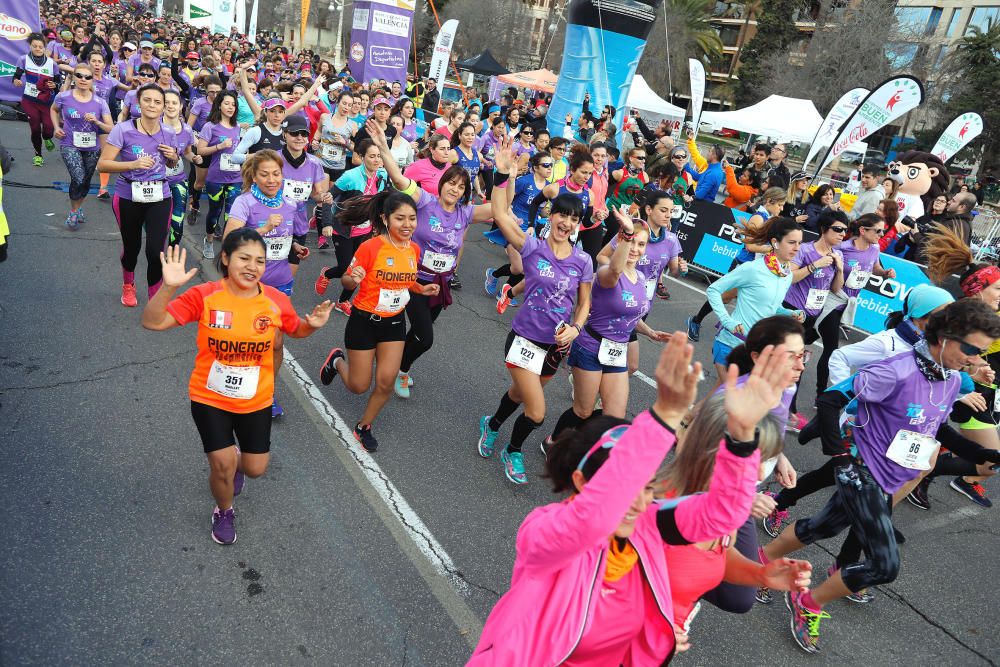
(325, 363)
(918, 505)
(506, 474)
(764, 526)
(791, 625)
(968, 495)
(479, 444)
(220, 542)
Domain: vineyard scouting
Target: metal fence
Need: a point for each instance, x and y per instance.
(986, 235)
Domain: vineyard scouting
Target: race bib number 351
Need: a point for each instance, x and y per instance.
(233, 381)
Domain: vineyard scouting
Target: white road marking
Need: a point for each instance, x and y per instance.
(639, 375)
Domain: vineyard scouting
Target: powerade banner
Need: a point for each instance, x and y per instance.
(18, 19)
(604, 42)
(710, 238)
(380, 39)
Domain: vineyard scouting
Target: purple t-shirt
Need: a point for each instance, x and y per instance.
(658, 255)
(105, 87)
(60, 52)
(122, 64)
(439, 234)
(185, 138)
(893, 395)
(132, 104)
(819, 280)
(784, 405)
(80, 134)
(299, 183)
(216, 134)
(615, 311)
(277, 272)
(858, 263)
(200, 108)
(520, 149)
(135, 60)
(550, 289)
(133, 144)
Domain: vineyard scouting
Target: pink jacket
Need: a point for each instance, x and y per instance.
(561, 551)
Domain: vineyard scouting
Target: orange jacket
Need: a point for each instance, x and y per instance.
(739, 195)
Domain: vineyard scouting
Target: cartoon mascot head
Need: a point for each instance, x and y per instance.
(921, 174)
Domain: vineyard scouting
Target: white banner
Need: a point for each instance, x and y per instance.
(252, 30)
(241, 16)
(883, 105)
(222, 16)
(159, 9)
(957, 136)
(844, 107)
(697, 91)
(442, 52)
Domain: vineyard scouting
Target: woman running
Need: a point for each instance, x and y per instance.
(106, 87)
(462, 142)
(177, 177)
(761, 285)
(218, 138)
(332, 146)
(440, 233)
(266, 134)
(197, 117)
(233, 378)
(818, 271)
(434, 160)
(130, 105)
(140, 152)
(558, 279)
(401, 148)
(612, 536)
(39, 76)
(78, 115)
(592, 231)
(384, 271)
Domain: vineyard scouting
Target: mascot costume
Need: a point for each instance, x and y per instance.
(922, 177)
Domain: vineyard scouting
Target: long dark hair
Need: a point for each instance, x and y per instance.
(817, 196)
(775, 228)
(371, 208)
(215, 115)
(768, 331)
(572, 445)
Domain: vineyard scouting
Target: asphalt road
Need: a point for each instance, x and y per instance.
(342, 558)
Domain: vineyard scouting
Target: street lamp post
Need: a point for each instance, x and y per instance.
(338, 49)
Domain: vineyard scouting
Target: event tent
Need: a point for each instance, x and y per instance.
(781, 118)
(484, 63)
(642, 97)
(538, 79)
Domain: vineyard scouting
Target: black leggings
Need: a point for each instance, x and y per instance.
(420, 337)
(132, 218)
(592, 240)
(734, 598)
(809, 483)
(829, 332)
(344, 248)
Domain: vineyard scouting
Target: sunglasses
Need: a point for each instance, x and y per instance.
(303, 134)
(640, 158)
(680, 157)
(969, 349)
(880, 232)
(838, 230)
(149, 75)
(527, 134)
(547, 165)
(805, 356)
(81, 75)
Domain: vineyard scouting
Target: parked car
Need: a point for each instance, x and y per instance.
(726, 132)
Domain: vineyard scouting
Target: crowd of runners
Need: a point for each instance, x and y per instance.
(293, 156)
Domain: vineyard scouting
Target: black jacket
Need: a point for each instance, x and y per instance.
(432, 98)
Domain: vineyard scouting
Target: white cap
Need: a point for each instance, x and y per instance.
(129, 45)
(145, 44)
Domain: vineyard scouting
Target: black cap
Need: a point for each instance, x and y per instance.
(294, 124)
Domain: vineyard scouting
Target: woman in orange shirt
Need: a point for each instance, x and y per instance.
(232, 384)
(384, 271)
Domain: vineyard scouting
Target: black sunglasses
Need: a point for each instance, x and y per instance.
(680, 157)
(528, 134)
(81, 75)
(880, 232)
(839, 230)
(149, 74)
(969, 349)
(545, 164)
(299, 133)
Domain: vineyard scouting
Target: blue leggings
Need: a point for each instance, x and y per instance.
(220, 199)
(80, 165)
(179, 195)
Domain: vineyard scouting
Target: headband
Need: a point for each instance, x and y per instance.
(980, 280)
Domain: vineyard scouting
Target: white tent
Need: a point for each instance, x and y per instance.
(781, 118)
(642, 97)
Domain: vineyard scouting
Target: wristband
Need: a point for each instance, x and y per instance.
(625, 236)
(741, 448)
(500, 179)
(578, 328)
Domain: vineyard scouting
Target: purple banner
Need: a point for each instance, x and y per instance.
(18, 19)
(380, 40)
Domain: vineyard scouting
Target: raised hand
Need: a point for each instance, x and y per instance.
(319, 315)
(377, 134)
(624, 220)
(748, 404)
(173, 261)
(505, 155)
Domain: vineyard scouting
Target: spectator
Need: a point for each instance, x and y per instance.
(431, 97)
(854, 180)
(777, 173)
(740, 190)
(759, 167)
(912, 245)
(822, 200)
(977, 190)
(871, 193)
(711, 177)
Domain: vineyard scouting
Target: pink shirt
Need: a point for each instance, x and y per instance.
(426, 175)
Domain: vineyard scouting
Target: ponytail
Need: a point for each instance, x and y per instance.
(375, 209)
(572, 445)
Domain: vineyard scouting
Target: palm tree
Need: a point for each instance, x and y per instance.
(687, 33)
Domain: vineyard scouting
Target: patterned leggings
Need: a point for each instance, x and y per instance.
(220, 200)
(179, 195)
(81, 166)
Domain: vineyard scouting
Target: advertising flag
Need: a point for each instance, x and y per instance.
(442, 52)
(957, 136)
(844, 107)
(697, 91)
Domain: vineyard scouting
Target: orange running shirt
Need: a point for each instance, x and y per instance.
(234, 367)
(390, 272)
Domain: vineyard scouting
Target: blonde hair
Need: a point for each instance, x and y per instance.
(253, 162)
(946, 254)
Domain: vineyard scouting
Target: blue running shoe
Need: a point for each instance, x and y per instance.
(224, 526)
(513, 466)
(486, 438)
(694, 329)
(491, 282)
(276, 410)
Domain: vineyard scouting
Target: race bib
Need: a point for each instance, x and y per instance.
(84, 139)
(278, 247)
(525, 354)
(226, 163)
(857, 279)
(651, 288)
(177, 169)
(30, 89)
(912, 450)
(332, 152)
(147, 192)
(438, 262)
(612, 353)
(392, 300)
(233, 381)
(297, 190)
(816, 298)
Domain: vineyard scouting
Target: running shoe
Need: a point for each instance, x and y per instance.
(343, 307)
(775, 521)
(37, 161)
(796, 422)
(224, 526)
(239, 478)
(694, 329)
(860, 597)
(276, 410)
(312, 222)
(491, 282)
(81, 217)
(546, 446)
(322, 242)
(486, 438)
(763, 595)
(129, 299)
(454, 282)
(662, 292)
(402, 385)
(513, 466)
(974, 491)
(103, 194)
(804, 623)
(918, 496)
(322, 282)
(365, 437)
(73, 221)
(504, 299)
(328, 370)
(208, 248)
(50, 145)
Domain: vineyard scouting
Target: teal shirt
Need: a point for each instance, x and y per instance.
(760, 295)
(243, 112)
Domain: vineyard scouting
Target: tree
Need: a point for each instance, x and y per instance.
(776, 32)
(691, 35)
